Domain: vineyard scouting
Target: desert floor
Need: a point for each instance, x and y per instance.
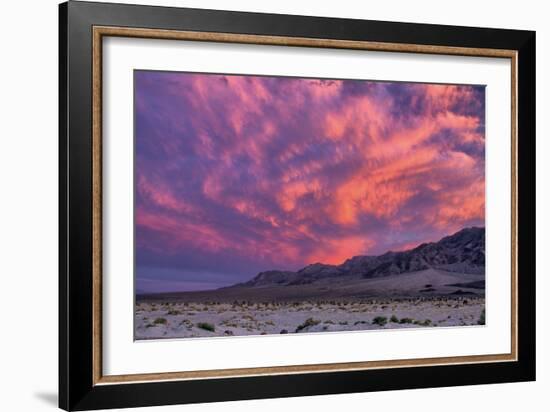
(158, 320)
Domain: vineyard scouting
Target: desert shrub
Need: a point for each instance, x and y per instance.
(406, 320)
(394, 319)
(206, 326)
(160, 321)
(308, 322)
(426, 322)
(380, 320)
(187, 323)
(481, 320)
(174, 312)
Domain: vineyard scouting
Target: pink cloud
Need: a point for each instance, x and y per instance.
(292, 171)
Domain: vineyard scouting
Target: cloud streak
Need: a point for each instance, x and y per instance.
(238, 174)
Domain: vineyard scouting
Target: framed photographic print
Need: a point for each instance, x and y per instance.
(256, 205)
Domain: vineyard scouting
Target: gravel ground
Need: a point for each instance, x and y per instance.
(158, 320)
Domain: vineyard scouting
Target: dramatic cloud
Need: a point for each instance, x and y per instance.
(239, 174)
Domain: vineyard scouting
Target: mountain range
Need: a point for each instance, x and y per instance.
(454, 265)
(462, 252)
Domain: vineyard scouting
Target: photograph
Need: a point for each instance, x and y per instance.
(288, 205)
(261, 205)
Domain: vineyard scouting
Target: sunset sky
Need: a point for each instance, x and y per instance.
(239, 174)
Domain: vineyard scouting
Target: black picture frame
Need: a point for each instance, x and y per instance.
(77, 390)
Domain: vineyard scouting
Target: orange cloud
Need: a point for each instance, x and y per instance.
(336, 251)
